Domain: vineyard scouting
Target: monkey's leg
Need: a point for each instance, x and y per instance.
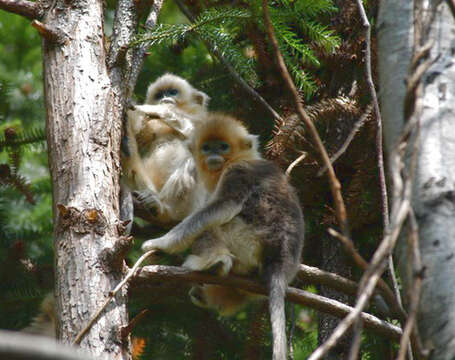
(226, 300)
(208, 253)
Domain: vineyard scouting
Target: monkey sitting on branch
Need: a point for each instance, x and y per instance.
(252, 222)
(159, 168)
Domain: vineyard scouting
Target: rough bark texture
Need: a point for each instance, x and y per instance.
(434, 192)
(83, 126)
(333, 260)
(433, 196)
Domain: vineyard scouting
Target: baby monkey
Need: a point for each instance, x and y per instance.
(251, 224)
(159, 168)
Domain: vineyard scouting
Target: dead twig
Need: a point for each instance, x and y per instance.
(111, 295)
(348, 140)
(413, 243)
(295, 163)
(304, 118)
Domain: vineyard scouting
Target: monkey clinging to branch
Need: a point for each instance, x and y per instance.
(251, 223)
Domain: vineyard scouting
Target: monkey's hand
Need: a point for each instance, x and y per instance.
(159, 111)
(163, 243)
(149, 201)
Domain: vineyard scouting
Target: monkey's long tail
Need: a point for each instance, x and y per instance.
(277, 290)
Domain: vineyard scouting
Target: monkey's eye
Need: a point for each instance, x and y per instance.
(205, 148)
(159, 95)
(224, 147)
(172, 92)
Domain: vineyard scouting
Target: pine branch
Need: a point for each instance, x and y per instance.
(23, 138)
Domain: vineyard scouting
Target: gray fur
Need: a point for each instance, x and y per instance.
(256, 225)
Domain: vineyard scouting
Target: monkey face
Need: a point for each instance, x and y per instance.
(166, 96)
(214, 153)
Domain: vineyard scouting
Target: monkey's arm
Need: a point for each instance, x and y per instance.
(182, 236)
(169, 115)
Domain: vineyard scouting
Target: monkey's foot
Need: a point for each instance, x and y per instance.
(196, 294)
(148, 201)
(220, 265)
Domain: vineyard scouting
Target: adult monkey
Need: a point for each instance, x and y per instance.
(251, 223)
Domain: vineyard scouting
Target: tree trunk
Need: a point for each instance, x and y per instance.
(433, 195)
(84, 129)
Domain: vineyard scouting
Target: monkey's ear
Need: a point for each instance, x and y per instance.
(201, 98)
(252, 142)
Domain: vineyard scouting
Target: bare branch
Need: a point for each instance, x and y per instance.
(335, 186)
(20, 346)
(315, 275)
(139, 52)
(363, 264)
(123, 32)
(112, 294)
(50, 34)
(348, 140)
(413, 243)
(160, 273)
(249, 90)
(295, 163)
(28, 9)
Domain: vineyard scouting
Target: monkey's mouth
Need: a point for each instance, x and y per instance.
(215, 162)
(168, 100)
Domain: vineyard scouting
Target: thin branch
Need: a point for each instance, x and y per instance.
(28, 9)
(346, 323)
(295, 163)
(418, 271)
(249, 90)
(161, 273)
(348, 140)
(19, 346)
(304, 118)
(112, 294)
(382, 181)
(363, 264)
(139, 52)
(317, 276)
(123, 32)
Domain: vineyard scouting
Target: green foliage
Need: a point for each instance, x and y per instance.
(26, 254)
(296, 24)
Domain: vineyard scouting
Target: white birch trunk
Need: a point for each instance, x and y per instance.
(434, 190)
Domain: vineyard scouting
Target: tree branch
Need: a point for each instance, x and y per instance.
(20, 346)
(139, 52)
(28, 9)
(160, 273)
(317, 276)
(335, 186)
